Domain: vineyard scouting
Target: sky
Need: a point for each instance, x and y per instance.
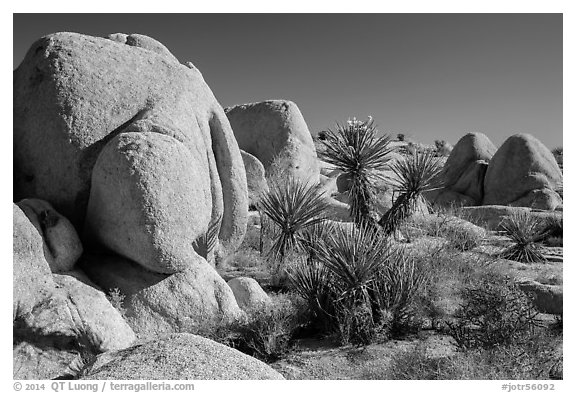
(430, 76)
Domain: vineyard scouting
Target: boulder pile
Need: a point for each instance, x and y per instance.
(130, 184)
(521, 173)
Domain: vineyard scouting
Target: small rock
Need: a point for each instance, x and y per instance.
(248, 293)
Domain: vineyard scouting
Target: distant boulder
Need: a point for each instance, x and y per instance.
(523, 172)
(462, 177)
(275, 132)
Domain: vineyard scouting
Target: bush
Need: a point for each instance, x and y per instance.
(116, 298)
(532, 359)
(443, 148)
(558, 154)
(525, 231)
(461, 234)
(494, 312)
(357, 285)
(268, 331)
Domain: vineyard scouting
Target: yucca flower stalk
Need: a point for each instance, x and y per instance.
(412, 176)
(357, 150)
(525, 231)
(292, 206)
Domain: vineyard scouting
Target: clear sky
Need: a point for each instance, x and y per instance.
(433, 76)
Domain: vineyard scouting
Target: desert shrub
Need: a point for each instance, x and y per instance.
(357, 150)
(396, 287)
(553, 227)
(494, 312)
(116, 298)
(401, 137)
(292, 205)
(558, 154)
(267, 331)
(525, 231)
(461, 235)
(461, 238)
(531, 359)
(443, 148)
(555, 241)
(246, 258)
(413, 176)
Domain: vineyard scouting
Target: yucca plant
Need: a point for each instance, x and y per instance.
(396, 287)
(357, 150)
(292, 206)
(312, 281)
(353, 256)
(525, 231)
(412, 176)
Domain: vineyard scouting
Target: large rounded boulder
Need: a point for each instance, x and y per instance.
(188, 301)
(463, 174)
(106, 123)
(523, 172)
(180, 356)
(276, 133)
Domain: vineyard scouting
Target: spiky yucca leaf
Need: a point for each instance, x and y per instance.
(412, 176)
(397, 285)
(313, 282)
(353, 255)
(525, 231)
(292, 205)
(361, 155)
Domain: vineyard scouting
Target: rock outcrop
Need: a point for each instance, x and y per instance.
(275, 132)
(155, 303)
(463, 174)
(546, 298)
(32, 281)
(79, 100)
(62, 246)
(523, 172)
(54, 314)
(183, 357)
(255, 177)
